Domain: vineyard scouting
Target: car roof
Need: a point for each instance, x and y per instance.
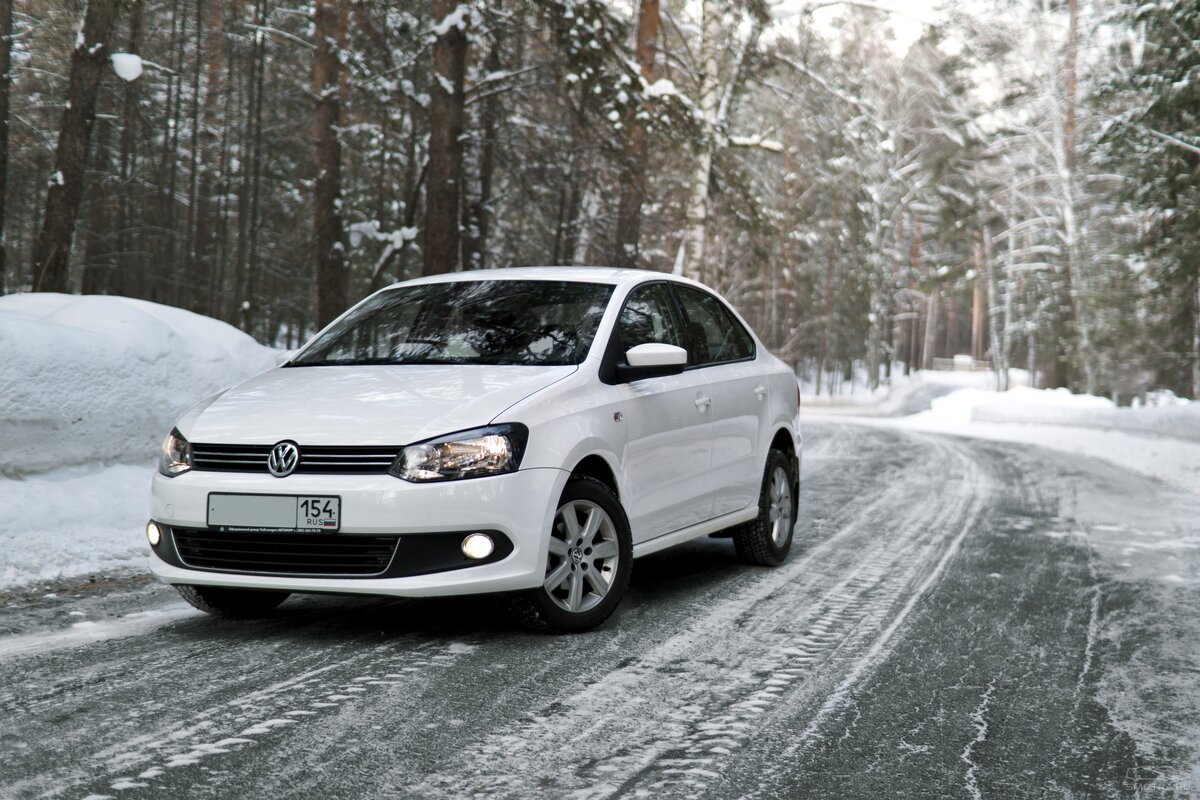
(605, 275)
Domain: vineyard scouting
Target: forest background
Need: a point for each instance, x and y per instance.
(1016, 181)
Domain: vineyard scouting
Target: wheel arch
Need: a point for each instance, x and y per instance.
(784, 440)
(597, 467)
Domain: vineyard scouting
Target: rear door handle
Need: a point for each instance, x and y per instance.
(761, 391)
(703, 402)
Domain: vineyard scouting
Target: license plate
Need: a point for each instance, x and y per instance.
(274, 512)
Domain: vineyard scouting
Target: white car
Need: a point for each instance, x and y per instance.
(521, 431)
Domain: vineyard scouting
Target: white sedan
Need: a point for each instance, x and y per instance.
(522, 431)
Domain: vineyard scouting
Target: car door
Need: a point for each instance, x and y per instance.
(668, 425)
(722, 350)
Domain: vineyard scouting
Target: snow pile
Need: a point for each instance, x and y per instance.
(73, 521)
(89, 381)
(1162, 442)
(1022, 405)
(899, 396)
(101, 379)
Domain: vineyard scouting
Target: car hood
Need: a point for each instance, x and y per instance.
(363, 405)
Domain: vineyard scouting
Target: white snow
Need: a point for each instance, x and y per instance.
(128, 66)
(773, 145)
(101, 379)
(73, 521)
(135, 624)
(455, 19)
(661, 88)
(89, 388)
(1161, 440)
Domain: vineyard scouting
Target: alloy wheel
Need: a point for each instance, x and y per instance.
(584, 555)
(779, 513)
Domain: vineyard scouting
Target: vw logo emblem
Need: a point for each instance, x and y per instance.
(283, 459)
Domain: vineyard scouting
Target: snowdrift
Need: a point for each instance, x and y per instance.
(1026, 406)
(101, 379)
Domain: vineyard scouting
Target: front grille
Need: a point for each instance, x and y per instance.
(312, 555)
(314, 460)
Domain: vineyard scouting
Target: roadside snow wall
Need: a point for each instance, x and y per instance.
(101, 379)
(1059, 407)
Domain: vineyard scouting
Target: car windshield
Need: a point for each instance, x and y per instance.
(545, 323)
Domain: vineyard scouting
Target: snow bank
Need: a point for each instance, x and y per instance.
(1078, 424)
(73, 521)
(1059, 407)
(101, 379)
(901, 395)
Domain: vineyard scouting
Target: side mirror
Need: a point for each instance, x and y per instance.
(652, 360)
(283, 357)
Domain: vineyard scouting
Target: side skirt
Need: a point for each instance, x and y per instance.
(686, 534)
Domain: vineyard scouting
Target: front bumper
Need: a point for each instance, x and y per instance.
(519, 505)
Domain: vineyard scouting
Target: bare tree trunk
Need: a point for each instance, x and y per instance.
(931, 317)
(443, 192)
(878, 314)
(97, 266)
(6, 31)
(706, 101)
(996, 324)
(52, 251)
(331, 254)
(241, 308)
(479, 214)
(127, 278)
(977, 312)
(1076, 285)
(633, 173)
(206, 143)
(250, 304)
(1196, 345)
(827, 290)
(197, 280)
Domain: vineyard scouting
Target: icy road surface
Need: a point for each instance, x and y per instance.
(959, 619)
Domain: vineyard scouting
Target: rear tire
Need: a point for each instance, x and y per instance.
(222, 601)
(588, 565)
(767, 539)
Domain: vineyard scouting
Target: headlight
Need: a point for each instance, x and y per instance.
(176, 457)
(494, 450)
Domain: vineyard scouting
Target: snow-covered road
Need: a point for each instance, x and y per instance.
(960, 619)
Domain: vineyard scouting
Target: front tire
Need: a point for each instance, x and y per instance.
(222, 601)
(767, 539)
(588, 563)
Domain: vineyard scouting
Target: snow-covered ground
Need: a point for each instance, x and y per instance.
(88, 389)
(1161, 441)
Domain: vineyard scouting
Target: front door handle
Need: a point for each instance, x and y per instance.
(703, 401)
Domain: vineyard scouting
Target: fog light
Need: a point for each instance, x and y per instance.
(153, 533)
(477, 546)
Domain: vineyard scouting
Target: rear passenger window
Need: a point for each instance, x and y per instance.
(714, 335)
(649, 316)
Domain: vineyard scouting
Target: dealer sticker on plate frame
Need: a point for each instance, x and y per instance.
(244, 513)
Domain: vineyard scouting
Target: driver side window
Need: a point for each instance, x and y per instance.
(649, 316)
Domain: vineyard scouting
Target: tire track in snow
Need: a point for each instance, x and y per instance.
(874, 587)
(666, 723)
(173, 751)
